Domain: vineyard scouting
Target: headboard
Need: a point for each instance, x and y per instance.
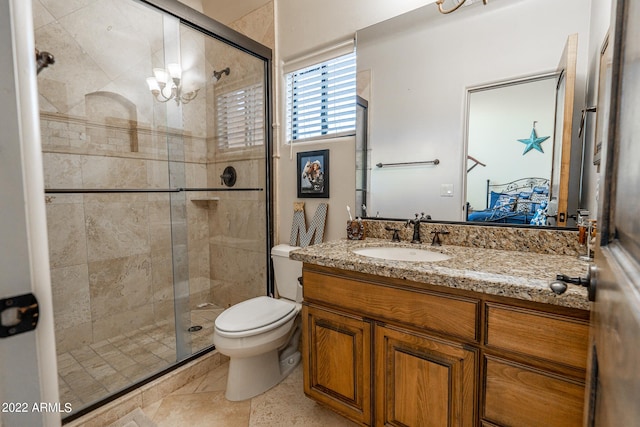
(516, 187)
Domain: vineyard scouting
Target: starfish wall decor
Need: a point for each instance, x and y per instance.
(533, 142)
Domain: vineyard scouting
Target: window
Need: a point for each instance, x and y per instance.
(321, 99)
(240, 117)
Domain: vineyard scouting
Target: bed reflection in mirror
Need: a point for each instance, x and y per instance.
(510, 150)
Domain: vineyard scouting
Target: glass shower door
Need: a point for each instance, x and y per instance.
(141, 115)
(223, 134)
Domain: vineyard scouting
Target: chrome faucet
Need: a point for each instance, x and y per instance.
(416, 226)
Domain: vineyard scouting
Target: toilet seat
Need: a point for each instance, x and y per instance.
(254, 316)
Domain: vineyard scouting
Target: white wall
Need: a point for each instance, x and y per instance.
(342, 177)
(422, 86)
(302, 27)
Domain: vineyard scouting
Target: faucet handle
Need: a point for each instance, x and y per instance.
(396, 236)
(436, 237)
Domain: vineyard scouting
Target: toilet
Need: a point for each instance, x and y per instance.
(261, 335)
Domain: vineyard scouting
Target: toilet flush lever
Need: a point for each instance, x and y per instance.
(300, 280)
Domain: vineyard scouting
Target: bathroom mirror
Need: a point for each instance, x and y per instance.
(415, 71)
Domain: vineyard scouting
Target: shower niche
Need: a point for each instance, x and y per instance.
(144, 239)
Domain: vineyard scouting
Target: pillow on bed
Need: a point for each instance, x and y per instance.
(540, 218)
(493, 198)
(504, 198)
(537, 199)
(541, 190)
(505, 203)
(523, 204)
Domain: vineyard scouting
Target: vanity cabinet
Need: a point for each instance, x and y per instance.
(385, 351)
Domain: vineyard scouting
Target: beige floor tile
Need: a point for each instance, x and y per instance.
(216, 380)
(286, 405)
(202, 410)
(152, 409)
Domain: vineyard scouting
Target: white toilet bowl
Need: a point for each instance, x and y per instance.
(261, 336)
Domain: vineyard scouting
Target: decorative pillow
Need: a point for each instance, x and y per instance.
(540, 218)
(524, 195)
(541, 190)
(523, 206)
(537, 199)
(522, 203)
(505, 203)
(493, 198)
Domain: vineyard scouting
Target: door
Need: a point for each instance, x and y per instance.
(28, 374)
(614, 370)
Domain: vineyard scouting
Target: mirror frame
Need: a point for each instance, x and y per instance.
(567, 68)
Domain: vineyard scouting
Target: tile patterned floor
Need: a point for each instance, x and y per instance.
(90, 373)
(201, 403)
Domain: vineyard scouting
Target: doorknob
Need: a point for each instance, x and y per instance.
(559, 286)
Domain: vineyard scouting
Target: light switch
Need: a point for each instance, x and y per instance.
(446, 190)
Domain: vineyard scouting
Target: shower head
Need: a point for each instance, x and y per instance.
(218, 74)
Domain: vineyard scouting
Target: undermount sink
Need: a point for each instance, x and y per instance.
(396, 253)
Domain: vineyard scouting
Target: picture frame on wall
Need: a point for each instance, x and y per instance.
(313, 174)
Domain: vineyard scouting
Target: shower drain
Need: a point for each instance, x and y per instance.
(194, 328)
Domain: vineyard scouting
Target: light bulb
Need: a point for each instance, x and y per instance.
(161, 76)
(153, 84)
(174, 71)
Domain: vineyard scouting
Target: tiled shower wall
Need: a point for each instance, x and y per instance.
(111, 260)
(111, 253)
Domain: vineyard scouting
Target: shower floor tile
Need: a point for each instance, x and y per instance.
(92, 372)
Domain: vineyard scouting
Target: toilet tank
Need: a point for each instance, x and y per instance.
(286, 272)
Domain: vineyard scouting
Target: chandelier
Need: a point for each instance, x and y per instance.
(166, 84)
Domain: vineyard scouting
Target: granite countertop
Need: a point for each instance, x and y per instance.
(520, 275)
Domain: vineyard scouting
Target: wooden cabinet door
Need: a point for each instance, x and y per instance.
(423, 381)
(337, 361)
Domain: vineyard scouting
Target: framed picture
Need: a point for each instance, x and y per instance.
(313, 174)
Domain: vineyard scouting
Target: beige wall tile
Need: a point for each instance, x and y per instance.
(71, 301)
(116, 230)
(66, 232)
(122, 322)
(109, 172)
(119, 285)
(62, 171)
(74, 337)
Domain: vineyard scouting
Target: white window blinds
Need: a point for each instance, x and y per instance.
(321, 99)
(240, 117)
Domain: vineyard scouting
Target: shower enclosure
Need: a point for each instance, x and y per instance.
(156, 143)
